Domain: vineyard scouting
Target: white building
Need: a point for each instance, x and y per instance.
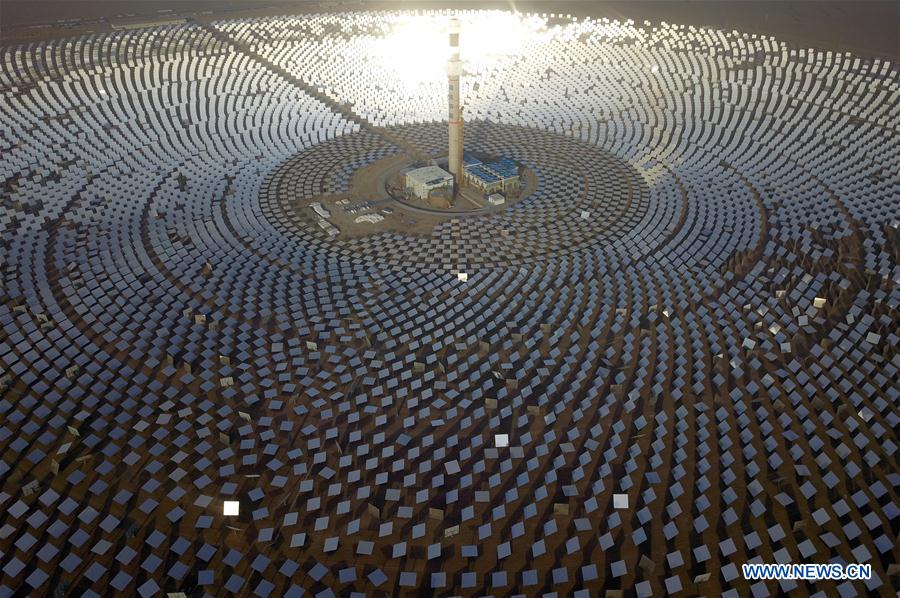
(328, 227)
(320, 210)
(422, 182)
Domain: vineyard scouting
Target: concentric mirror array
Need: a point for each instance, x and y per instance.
(678, 355)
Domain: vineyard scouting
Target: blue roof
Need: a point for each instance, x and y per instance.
(503, 168)
(492, 171)
(482, 174)
(469, 159)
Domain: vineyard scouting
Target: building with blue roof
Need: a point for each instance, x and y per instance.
(491, 177)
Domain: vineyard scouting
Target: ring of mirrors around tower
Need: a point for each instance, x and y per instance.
(678, 335)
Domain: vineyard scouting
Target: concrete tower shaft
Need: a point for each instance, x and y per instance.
(454, 70)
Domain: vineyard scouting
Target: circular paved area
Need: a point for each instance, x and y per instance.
(584, 197)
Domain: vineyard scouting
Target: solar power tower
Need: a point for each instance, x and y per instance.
(454, 70)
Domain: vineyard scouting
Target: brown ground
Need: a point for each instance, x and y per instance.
(366, 185)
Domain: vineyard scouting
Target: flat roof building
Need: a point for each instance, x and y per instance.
(422, 182)
(470, 160)
(320, 210)
(491, 177)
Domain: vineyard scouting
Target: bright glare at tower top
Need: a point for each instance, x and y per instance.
(416, 47)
